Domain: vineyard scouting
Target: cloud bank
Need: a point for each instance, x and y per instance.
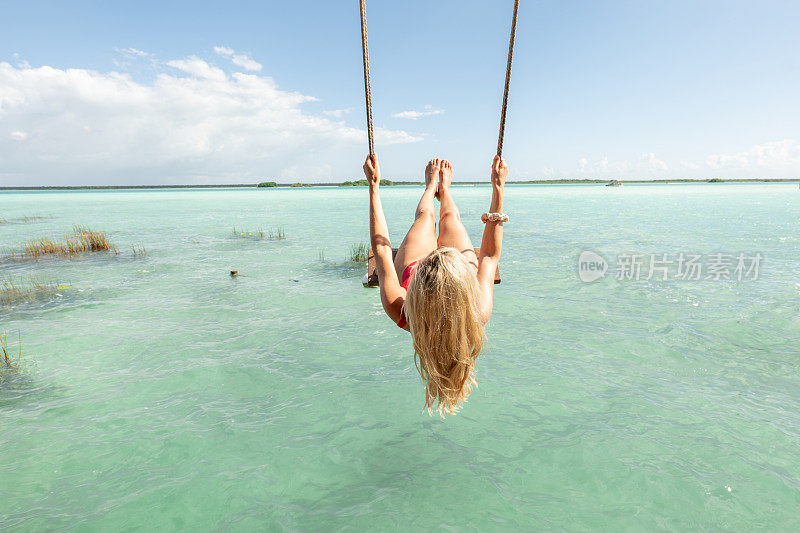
(414, 115)
(193, 123)
(241, 60)
(773, 159)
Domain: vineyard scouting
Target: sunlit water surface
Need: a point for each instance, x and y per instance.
(157, 392)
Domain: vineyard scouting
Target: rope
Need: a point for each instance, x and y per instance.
(367, 88)
(508, 79)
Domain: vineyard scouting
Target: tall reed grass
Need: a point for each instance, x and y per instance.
(13, 290)
(359, 253)
(277, 234)
(243, 234)
(83, 241)
(4, 358)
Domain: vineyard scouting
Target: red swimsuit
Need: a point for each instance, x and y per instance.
(407, 273)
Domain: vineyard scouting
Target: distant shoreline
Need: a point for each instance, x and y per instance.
(307, 185)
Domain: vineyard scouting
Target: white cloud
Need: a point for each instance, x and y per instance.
(247, 63)
(21, 63)
(386, 136)
(85, 126)
(299, 172)
(414, 115)
(18, 135)
(649, 162)
(773, 159)
(198, 68)
(223, 51)
(773, 156)
(646, 165)
(337, 113)
(131, 52)
(240, 60)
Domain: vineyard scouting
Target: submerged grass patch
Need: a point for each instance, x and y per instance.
(277, 234)
(83, 241)
(359, 253)
(25, 219)
(6, 362)
(138, 250)
(243, 234)
(14, 290)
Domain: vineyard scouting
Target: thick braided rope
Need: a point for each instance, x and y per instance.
(367, 88)
(508, 80)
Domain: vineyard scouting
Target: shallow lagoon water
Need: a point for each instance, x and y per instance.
(157, 392)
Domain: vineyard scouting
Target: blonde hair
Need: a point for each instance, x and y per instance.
(446, 323)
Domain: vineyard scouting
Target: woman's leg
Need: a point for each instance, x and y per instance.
(421, 238)
(451, 231)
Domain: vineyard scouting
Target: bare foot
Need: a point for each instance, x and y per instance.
(432, 173)
(445, 176)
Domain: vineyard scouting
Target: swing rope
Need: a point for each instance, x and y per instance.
(367, 88)
(508, 80)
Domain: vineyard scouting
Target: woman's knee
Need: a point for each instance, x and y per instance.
(449, 216)
(426, 215)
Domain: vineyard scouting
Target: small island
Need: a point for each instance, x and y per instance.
(363, 183)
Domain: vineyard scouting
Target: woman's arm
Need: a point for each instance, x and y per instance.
(392, 295)
(492, 241)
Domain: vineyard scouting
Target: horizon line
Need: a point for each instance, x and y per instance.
(297, 185)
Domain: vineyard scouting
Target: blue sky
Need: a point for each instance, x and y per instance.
(200, 92)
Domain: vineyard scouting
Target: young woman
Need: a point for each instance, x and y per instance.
(437, 288)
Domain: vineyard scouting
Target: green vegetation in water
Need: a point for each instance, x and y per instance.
(138, 250)
(14, 290)
(25, 219)
(364, 183)
(298, 184)
(359, 253)
(242, 234)
(277, 234)
(84, 240)
(715, 180)
(6, 363)
(267, 184)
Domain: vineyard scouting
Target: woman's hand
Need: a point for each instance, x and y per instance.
(372, 170)
(499, 172)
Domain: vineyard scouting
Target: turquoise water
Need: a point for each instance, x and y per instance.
(158, 393)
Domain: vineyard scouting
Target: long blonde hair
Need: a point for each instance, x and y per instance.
(442, 309)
